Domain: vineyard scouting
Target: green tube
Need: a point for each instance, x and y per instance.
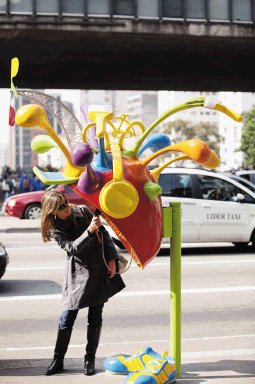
(192, 103)
(175, 287)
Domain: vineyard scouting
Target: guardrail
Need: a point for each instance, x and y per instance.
(229, 11)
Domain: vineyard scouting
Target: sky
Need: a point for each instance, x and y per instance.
(72, 96)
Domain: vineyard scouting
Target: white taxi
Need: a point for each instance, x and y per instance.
(215, 208)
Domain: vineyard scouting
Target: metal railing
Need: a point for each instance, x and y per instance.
(230, 11)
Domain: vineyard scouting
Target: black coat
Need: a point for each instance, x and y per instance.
(86, 281)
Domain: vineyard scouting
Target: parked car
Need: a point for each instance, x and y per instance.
(28, 205)
(241, 180)
(215, 208)
(4, 259)
(249, 175)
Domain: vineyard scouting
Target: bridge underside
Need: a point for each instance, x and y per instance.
(120, 58)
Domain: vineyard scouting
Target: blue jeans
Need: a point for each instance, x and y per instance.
(95, 319)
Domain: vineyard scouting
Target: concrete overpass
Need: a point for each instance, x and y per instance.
(127, 53)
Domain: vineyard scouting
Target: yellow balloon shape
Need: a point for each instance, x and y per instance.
(33, 115)
(213, 162)
(14, 71)
(118, 198)
(14, 67)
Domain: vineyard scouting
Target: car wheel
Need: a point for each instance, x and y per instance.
(33, 211)
(2, 270)
(253, 239)
(240, 245)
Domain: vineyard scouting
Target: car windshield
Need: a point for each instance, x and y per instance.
(213, 188)
(51, 187)
(178, 185)
(60, 188)
(245, 182)
(242, 181)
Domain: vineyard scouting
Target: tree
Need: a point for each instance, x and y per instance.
(248, 137)
(184, 130)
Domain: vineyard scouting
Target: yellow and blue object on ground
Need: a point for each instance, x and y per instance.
(144, 367)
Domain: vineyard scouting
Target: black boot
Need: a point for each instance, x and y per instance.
(57, 364)
(93, 337)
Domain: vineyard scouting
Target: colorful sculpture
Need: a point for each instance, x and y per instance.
(144, 367)
(155, 372)
(111, 177)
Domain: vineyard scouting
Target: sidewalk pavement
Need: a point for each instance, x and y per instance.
(19, 367)
(9, 224)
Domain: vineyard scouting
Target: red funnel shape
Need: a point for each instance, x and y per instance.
(141, 232)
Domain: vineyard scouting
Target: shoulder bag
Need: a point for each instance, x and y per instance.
(122, 263)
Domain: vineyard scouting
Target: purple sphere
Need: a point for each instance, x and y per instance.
(82, 154)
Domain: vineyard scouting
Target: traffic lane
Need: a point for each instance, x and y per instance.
(209, 249)
(125, 329)
(47, 265)
(47, 274)
(43, 255)
(29, 250)
(16, 240)
(140, 296)
(220, 271)
(47, 254)
(13, 240)
(155, 276)
(21, 239)
(205, 308)
(202, 340)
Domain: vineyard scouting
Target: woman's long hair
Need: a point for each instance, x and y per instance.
(50, 203)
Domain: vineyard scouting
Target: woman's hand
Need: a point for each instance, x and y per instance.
(94, 225)
(112, 266)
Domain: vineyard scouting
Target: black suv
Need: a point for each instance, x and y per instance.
(4, 259)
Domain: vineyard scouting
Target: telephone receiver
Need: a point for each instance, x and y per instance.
(97, 212)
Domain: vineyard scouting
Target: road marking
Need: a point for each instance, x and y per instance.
(33, 297)
(217, 337)
(220, 353)
(188, 291)
(191, 291)
(155, 264)
(218, 262)
(33, 269)
(184, 263)
(42, 247)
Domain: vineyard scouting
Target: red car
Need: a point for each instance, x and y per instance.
(28, 205)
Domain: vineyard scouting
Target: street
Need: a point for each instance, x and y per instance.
(218, 296)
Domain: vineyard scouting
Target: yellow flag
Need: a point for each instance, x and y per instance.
(14, 71)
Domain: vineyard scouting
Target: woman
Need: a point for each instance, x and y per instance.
(88, 282)
(8, 186)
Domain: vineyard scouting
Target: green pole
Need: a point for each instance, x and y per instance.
(175, 286)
